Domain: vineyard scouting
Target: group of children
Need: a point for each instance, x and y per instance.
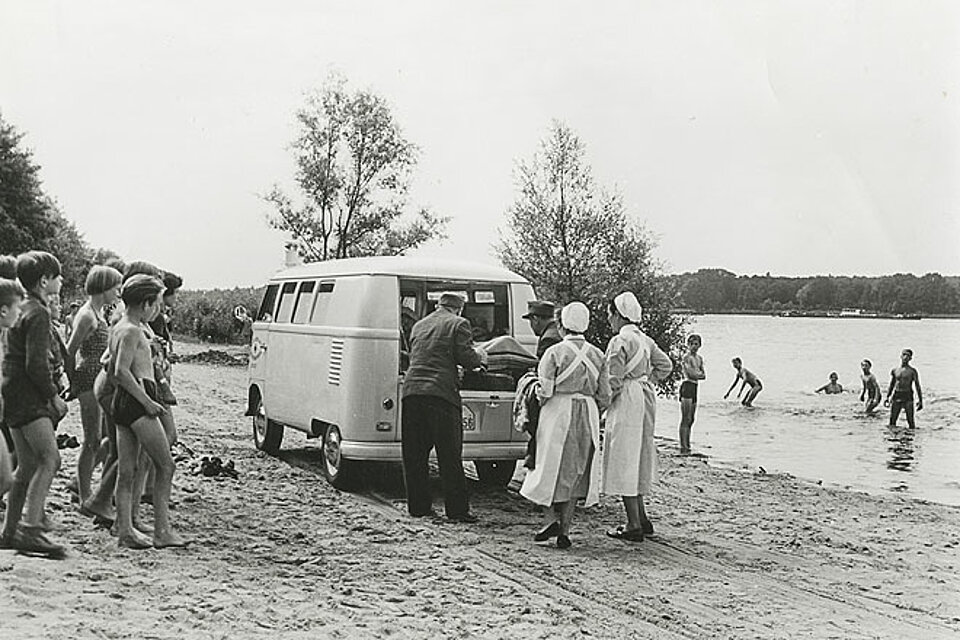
(903, 380)
(116, 366)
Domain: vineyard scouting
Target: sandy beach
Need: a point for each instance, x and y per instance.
(737, 553)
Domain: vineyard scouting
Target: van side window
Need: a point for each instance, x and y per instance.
(287, 300)
(301, 312)
(321, 303)
(265, 313)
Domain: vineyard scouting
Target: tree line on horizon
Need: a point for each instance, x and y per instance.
(722, 291)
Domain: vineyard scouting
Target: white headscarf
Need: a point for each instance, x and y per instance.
(628, 306)
(575, 317)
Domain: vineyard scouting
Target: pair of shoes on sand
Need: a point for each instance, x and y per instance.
(212, 467)
(32, 541)
(66, 441)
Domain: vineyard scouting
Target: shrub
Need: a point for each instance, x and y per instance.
(208, 315)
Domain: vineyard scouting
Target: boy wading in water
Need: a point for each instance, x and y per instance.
(871, 388)
(902, 381)
(748, 379)
(136, 410)
(693, 373)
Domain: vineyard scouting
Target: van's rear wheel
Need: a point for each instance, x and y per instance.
(338, 471)
(267, 434)
(495, 473)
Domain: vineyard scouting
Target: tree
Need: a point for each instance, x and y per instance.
(574, 241)
(353, 170)
(30, 219)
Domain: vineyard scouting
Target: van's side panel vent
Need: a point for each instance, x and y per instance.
(336, 361)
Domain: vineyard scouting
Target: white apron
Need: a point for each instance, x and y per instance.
(555, 421)
(629, 450)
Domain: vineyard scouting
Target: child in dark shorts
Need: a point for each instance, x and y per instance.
(32, 407)
(139, 428)
(693, 373)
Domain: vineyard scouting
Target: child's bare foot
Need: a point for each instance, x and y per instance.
(169, 538)
(134, 540)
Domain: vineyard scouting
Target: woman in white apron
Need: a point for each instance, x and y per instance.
(635, 362)
(574, 387)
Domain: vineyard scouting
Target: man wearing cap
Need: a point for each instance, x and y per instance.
(540, 314)
(431, 410)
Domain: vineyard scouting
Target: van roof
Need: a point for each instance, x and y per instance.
(401, 266)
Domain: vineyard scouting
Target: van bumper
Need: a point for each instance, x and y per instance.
(391, 451)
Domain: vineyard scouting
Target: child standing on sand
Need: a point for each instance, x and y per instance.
(871, 388)
(136, 411)
(693, 373)
(748, 379)
(32, 407)
(902, 381)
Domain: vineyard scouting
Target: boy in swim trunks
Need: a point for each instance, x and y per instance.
(136, 411)
(748, 379)
(871, 388)
(693, 373)
(902, 381)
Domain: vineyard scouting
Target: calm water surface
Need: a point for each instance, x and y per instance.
(794, 430)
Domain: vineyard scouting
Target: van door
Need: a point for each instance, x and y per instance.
(285, 383)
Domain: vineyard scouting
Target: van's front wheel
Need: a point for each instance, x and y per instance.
(338, 471)
(495, 473)
(267, 434)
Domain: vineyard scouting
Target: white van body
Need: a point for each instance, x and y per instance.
(327, 352)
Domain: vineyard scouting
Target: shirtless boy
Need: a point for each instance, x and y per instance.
(136, 411)
(902, 381)
(831, 387)
(871, 388)
(748, 379)
(693, 373)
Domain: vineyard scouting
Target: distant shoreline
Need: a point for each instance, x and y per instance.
(833, 314)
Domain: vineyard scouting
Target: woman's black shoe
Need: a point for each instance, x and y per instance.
(563, 542)
(552, 530)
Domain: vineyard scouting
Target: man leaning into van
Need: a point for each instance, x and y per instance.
(432, 411)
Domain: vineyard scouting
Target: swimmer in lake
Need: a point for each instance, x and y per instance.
(831, 387)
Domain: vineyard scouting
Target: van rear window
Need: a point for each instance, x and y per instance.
(265, 313)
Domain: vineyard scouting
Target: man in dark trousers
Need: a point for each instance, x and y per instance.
(541, 315)
(432, 410)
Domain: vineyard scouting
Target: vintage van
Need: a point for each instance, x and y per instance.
(328, 353)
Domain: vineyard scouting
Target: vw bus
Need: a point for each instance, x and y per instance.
(329, 350)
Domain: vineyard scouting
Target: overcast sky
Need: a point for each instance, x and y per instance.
(794, 138)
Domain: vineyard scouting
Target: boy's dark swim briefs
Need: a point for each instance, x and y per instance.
(126, 408)
(688, 389)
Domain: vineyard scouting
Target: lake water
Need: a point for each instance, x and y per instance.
(818, 437)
